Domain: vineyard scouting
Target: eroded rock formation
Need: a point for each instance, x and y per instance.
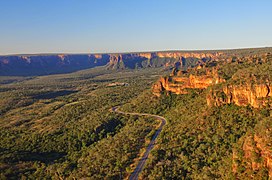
(178, 85)
(241, 95)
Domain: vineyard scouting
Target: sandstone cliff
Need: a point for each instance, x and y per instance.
(168, 59)
(186, 55)
(242, 95)
(248, 86)
(178, 85)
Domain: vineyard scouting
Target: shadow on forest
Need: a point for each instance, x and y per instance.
(17, 156)
(51, 95)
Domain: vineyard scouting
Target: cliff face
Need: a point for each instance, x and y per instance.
(249, 87)
(241, 95)
(143, 60)
(48, 64)
(130, 61)
(187, 55)
(178, 85)
(116, 62)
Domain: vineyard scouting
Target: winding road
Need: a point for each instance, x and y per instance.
(134, 175)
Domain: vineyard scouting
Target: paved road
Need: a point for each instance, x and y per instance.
(134, 175)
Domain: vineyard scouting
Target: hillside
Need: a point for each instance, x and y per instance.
(218, 123)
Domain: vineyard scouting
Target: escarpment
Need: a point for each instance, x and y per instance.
(179, 84)
(28, 65)
(251, 86)
(186, 55)
(243, 129)
(255, 95)
(158, 59)
(62, 63)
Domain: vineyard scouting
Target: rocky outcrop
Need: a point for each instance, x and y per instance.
(255, 154)
(158, 87)
(116, 62)
(241, 95)
(178, 85)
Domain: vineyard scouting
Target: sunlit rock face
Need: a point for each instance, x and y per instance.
(241, 95)
(144, 60)
(186, 55)
(242, 89)
(178, 85)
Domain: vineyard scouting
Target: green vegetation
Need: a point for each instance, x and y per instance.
(49, 123)
(60, 126)
(197, 143)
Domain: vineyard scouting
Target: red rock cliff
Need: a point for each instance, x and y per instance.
(241, 95)
(186, 55)
(178, 85)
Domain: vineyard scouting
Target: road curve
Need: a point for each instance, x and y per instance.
(134, 175)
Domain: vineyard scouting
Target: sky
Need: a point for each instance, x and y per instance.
(101, 26)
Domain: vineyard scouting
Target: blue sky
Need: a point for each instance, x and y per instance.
(81, 26)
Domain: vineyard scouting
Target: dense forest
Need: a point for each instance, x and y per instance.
(61, 127)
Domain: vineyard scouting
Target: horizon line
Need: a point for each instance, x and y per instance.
(134, 52)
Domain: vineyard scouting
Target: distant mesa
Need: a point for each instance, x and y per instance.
(31, 65)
